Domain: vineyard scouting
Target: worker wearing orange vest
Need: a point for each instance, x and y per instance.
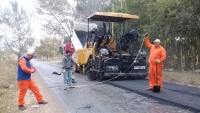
(157, 56)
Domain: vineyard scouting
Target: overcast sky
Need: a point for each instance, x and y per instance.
(28, 6)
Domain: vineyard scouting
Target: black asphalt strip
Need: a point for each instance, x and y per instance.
(177, 95)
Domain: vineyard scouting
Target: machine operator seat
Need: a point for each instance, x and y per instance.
(124, 43)
(106, 47)
(112, 45)
(99, 36)
(101, 31)
(127, 41)
(131, 36)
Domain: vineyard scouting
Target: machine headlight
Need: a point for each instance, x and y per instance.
(112, 68)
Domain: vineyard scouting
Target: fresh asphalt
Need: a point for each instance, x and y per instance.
(119, 96)
(178, 95)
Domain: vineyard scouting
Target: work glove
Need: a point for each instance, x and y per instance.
(64, 71)
(146, 37)
(157, 61)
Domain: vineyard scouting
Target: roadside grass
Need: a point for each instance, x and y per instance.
(8, 94)
(183, 78)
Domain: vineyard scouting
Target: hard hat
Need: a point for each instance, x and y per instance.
(30, 53)
(157, 40)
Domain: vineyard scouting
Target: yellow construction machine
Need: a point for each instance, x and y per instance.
(104, 56)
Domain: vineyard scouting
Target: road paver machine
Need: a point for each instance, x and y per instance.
(104, 56)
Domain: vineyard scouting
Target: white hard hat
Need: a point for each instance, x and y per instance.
(157, 40)
(30, 53)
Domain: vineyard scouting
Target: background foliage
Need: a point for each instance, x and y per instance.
(167, 19)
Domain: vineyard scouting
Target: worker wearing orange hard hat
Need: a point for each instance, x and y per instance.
(157, 56)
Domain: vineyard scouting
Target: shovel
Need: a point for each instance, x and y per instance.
(156, 87)
(56, 73)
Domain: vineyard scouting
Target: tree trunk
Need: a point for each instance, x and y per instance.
(18, 56)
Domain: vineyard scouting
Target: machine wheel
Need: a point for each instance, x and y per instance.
(91, 75)
(77, 71)
(100, 78)
(81, 69)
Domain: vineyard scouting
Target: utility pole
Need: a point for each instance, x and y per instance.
(112, 22)
(182, 57)
(54, 51)
(121, 4)
(4, 55)
(113, 10)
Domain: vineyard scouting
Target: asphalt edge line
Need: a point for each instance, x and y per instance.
(157, 98)
(180, 91)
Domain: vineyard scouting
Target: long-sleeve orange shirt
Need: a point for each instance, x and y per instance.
(156, 53)
(23, 65)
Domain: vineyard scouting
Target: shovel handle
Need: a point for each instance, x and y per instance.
(156, 70)
(156, 73)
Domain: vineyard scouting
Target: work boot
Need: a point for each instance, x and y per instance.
(43, 102)
(65, 86)
(73, 81)
(71, 86)
(22, 107)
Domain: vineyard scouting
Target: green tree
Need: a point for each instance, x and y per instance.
(48, 48)
(167, 19)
